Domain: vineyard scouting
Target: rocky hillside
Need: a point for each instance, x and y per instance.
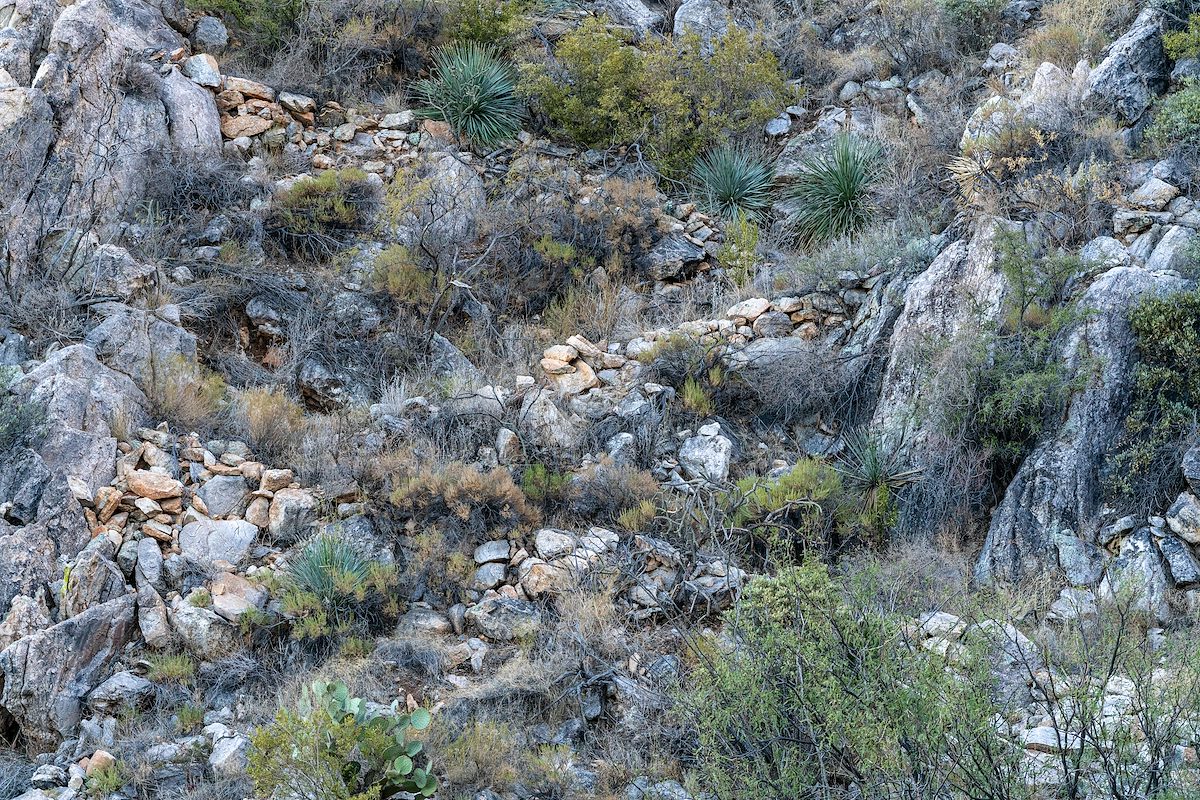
(509, 399)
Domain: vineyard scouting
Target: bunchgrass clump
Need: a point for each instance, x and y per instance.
(733, 183)
(833, 191)
(170, 668)
(474, 91)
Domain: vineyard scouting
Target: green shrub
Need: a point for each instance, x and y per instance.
(733, 183)
(822, 692)
(544, 485)
(106, 781)
(977, 22)
(676, 97)
(331, 587)
(1177, 119)
(1143, 469)
(791, 514)
(593, 92)
(189, 718)
(398, 273)
(317, 217)
(333, 746)
(1186, 43)
(833, 191)
(474, 91)
(491, 23)
(1020, 382)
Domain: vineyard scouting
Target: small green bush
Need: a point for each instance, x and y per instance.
(317, 217)
(401, 275)
(676, 97)
(1143, 469)
(820, 658)
(1177, 120)
(107, 781)
(474, 91)
(333, 746)
(733, 183)
(170, 667)
(1020, 382)
(332, 588)
(1186, 43)
(833, 191)
(791, 514)
(491, 23)
(544, 485)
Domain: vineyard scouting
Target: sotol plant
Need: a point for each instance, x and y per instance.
(833, 192)
(332, 587)
(474, 91)
(734, 183)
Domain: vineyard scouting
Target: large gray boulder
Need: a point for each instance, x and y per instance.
(112, 114)
(45, 678)
(84, 400)
(1057, 490)
(708, 18)
(634, 13)
(145, 346)
(959, 294)
(210, 540)
(1135, 69)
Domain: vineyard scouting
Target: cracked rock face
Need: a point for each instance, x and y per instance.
(47, 676)
(1058, 487)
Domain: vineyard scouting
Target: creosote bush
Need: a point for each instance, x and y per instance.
(474, 91)
(336, 747)
(676, 97)
(830, 655)
(1176, 123)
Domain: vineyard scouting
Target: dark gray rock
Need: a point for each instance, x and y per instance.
(225, 495)
(124, 691)
(1182, 566)
(1134, 70)
(504, 619)
(43, 529)
(671, 257)
(210, 36)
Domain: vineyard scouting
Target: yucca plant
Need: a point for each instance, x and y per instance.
(331, 586)
(873, 473)
(474, 90)
(833, 191)
(733, 183)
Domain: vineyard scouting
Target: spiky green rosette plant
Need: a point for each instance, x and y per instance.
(474, 91)
(833, 191)
(733, 183)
